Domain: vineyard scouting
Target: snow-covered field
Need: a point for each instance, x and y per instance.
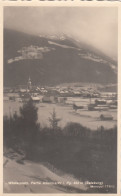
(66, 114)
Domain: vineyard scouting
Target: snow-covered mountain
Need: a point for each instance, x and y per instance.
(53, 60)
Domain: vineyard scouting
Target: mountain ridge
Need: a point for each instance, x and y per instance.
(61, 61)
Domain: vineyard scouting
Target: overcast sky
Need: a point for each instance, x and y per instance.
(97, 26)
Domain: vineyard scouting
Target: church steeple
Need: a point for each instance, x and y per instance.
(29, 84)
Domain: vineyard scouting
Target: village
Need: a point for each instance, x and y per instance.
(83, 104)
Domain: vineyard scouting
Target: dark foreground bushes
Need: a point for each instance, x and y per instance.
(77, 150)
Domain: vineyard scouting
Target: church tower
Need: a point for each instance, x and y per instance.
(29, 84)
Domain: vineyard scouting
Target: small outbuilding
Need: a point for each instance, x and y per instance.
(106, 117)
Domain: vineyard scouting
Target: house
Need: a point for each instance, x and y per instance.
(35, 99)
(62, 100)
(77, 106)
(100, 101)
(91, 107)
(106, 117)
(46, 99)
